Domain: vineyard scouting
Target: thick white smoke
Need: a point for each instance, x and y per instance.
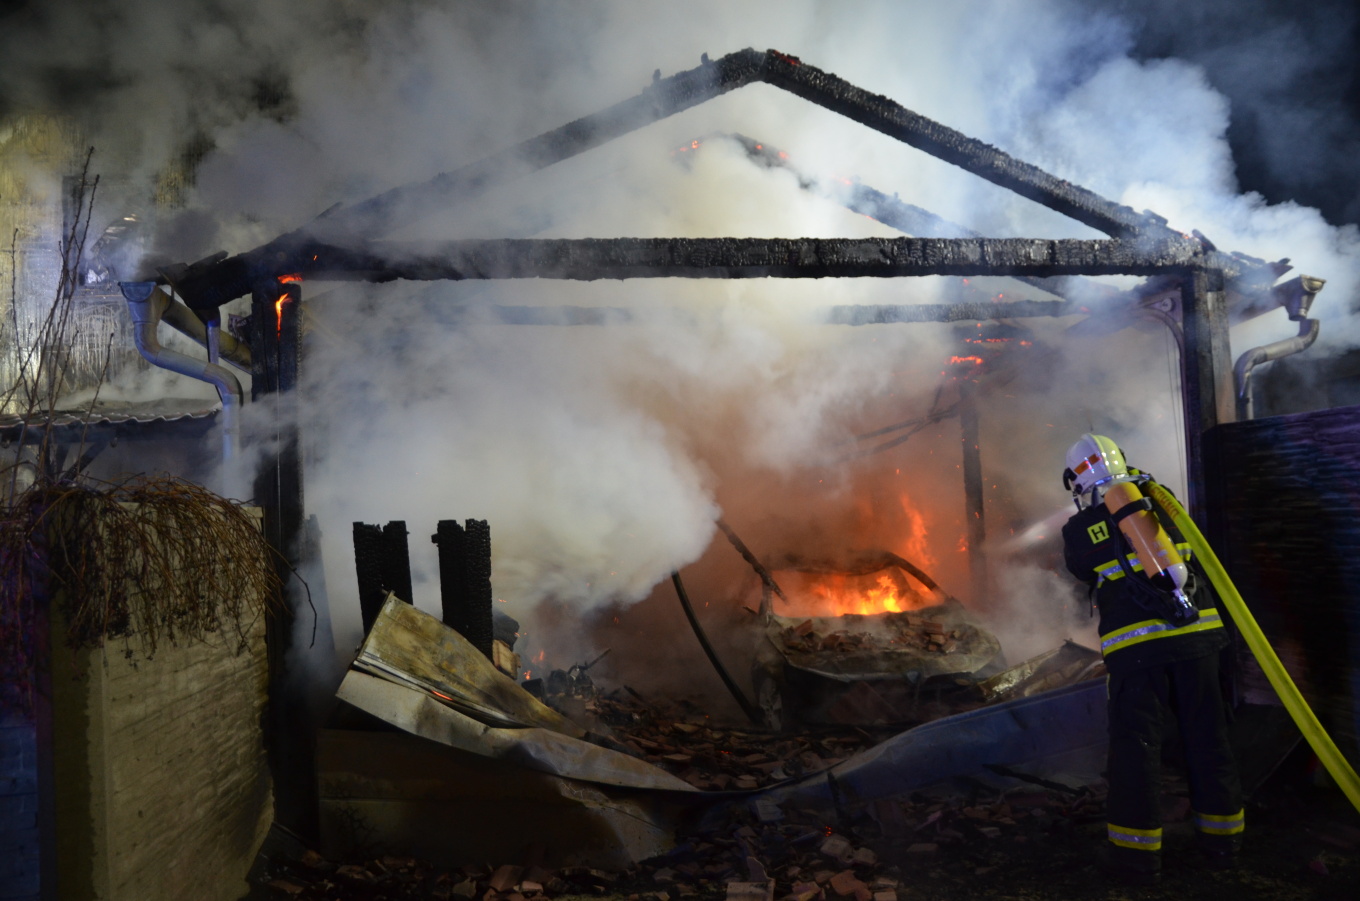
(603, 456)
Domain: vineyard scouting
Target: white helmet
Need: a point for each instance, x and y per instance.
(1092, 462)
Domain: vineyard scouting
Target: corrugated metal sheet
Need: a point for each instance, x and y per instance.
(121, 415)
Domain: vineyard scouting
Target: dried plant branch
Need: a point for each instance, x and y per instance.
(151, 560)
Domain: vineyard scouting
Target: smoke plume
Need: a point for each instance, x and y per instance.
(602, 456)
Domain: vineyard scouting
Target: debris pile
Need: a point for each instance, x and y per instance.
(901, 630)
(676, 736)
(763, 849)
(914, 644)
(757, 851)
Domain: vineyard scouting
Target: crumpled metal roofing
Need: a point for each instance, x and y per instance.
(113, 414)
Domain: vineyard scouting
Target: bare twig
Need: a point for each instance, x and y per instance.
(148, 560)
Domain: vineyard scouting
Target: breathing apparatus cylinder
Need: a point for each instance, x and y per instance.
(1157, 554)
(1096, 465)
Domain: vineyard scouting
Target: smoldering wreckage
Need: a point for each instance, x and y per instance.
(438, 751)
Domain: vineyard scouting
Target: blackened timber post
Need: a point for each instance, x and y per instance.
(976, 525)
(465, 580)
(1206, 376)
(275, 351)
(397, 560)
(368, 569)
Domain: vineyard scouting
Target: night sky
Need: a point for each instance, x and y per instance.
(1295, 126)
(1295, 123)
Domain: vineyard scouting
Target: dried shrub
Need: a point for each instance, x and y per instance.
(149, 561)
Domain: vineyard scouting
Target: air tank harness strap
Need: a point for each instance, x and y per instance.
(1121, 549)
(1145, 593)
(1138, 506)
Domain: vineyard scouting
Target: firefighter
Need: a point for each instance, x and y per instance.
(1160, 635)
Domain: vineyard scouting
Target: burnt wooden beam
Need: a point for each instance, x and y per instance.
(590, 259)
(841, 314)
(684, 90)
(663, 98)
(676, 93)
(382, 563)
(981, 159)
(883, 314)
(217, 281)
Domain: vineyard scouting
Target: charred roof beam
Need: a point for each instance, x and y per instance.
(220, 281)
(593, 259)
(981, 159)
(667, 96)
(663, 98)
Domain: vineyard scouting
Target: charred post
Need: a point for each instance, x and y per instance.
(976, 528)
(397, 560)
(275, 350)
(1206, 374)
(275, 346)
(368, 567)
(465, 580)
(382, 563)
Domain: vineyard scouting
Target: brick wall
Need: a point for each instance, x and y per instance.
(1285, 518)
(162, 786)
(159, 786)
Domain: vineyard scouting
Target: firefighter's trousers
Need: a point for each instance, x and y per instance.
(1139, 705)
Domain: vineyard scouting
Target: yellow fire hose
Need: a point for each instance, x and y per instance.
(1284, 686)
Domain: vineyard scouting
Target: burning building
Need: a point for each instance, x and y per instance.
(507, 375)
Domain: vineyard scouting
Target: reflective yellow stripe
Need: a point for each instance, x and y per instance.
(1149, 629)
(1221, 825)
(1111, 570)
(1138, 839)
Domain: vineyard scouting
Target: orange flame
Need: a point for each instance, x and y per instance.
(292, 278)
(888, 590)
(884, 596)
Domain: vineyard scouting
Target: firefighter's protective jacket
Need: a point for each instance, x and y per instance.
(1133, 635)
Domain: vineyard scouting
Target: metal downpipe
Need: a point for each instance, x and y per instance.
(186, 322)
(147, 304)
(1296, 296)
(1308, 332)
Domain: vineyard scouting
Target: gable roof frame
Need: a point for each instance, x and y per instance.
(335, 245)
